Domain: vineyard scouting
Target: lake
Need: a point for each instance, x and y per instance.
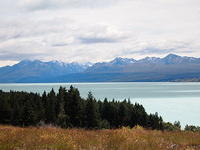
(172, 100)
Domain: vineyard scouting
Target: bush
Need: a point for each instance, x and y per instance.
(192, 128)
(171, 127)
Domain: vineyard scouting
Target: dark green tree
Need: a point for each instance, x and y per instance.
(51, 107)
(91, 113)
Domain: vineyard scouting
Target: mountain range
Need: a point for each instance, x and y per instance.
(149, 69)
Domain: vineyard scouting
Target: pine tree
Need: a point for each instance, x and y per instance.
(51, 107)
(91, 112)
(62, 119)
(29, 117)
(45, 106)
(5, 110)
(75, 107)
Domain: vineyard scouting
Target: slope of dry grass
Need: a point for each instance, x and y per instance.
(48, 138)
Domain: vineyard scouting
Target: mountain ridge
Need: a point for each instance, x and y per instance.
(169, 68)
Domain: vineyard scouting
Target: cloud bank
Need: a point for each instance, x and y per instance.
(97, 30)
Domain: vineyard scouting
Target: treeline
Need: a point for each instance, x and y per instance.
(68, 109)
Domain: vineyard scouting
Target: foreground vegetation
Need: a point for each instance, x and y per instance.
(43, 117)
(49, 138)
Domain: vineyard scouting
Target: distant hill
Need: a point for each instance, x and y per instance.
(148, 64)
(31, 71)
(188, 80)
(149, 69)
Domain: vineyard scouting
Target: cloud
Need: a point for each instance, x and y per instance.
(161, 47)
(93, 40)
(152, 50)
(18, 56)
(97, 30)
(32, 5)
(103, 34)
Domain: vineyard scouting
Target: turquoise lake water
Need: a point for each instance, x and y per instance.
(173, 101)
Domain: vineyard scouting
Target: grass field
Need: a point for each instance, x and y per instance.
(49, 138)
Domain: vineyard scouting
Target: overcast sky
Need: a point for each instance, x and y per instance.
(97, 30)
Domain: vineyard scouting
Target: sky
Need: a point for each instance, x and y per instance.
(97, 30)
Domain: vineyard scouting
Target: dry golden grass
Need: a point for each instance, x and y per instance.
(48, 138)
